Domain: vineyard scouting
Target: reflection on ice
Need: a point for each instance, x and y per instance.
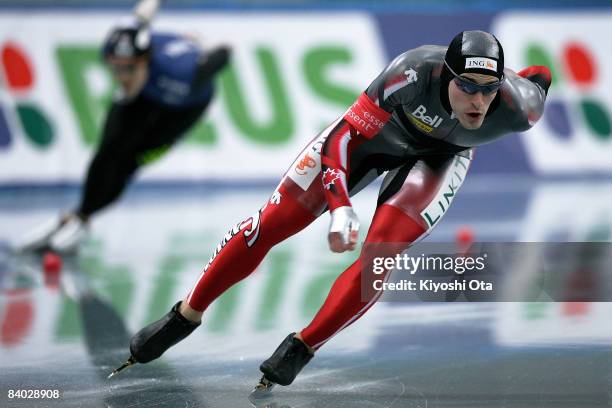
(145, 254)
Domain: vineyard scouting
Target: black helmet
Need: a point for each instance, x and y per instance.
(127, 42)
(472, 51)
(475, 51)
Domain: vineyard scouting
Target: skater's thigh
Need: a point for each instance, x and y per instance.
(302, 180)
(166, 126)
(424, 188)
(124, 126)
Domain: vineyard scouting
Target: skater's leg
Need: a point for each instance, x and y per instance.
(297, 202)
(400, 219)
(244, 247)
(109, 171)
(103, 173)
(344, 304)
(133, 136)
(113, 165)
(239, 253)
(107, 177)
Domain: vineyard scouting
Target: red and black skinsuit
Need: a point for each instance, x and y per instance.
(401, 124)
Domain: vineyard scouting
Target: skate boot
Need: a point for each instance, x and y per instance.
(287, 361)
(282, 367)
(37, 239)
(69, 236)
(153, 340)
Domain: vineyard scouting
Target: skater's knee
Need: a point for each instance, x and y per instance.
(392, 225)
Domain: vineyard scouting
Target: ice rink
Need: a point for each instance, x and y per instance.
(68, 332)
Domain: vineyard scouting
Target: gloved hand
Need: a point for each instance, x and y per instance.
(538, 74)
(343, 229)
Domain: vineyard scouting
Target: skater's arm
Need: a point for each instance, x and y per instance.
(539, 75)
(209, 64)
(528, 93)
(361, 122)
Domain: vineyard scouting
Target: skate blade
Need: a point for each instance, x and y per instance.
(129, 362)
(262, 390)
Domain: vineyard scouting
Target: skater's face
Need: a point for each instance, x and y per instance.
(470, 108)
(130, 73)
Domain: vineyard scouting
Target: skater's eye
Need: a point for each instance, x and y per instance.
(471, 88)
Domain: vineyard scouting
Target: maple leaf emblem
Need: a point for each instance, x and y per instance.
(329, 178)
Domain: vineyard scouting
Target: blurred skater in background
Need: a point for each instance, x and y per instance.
(165, 85)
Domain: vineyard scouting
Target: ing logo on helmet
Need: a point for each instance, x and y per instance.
(19, 81)
(578, 68)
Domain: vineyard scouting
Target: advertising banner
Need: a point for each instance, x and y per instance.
(575, 134)
(291, 75)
